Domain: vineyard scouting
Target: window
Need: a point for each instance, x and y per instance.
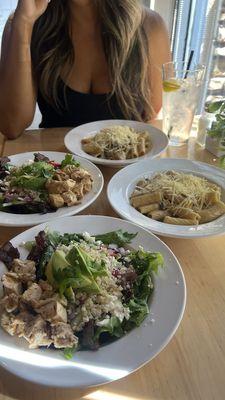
(189, 26)
(196, 28)
(6, 8)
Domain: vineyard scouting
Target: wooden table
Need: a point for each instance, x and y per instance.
(192, 366)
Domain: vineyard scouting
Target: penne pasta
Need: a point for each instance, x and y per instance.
(134, 151)
(92, 149)
(175, 199)
(146, 199)
(179, 221)
(86, 140)
(141, 183)
(213, 212)
(141, 146)
(157, 215)
(117, 143)
(178, 198)
(185, 213)
(147, 209)
(212, 197)
(118, 155)
(144, 135)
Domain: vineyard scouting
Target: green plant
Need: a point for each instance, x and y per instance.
(217, 129)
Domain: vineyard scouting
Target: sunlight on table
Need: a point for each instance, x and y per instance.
(104, 395)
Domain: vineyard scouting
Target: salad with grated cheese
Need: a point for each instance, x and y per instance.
(76, 291)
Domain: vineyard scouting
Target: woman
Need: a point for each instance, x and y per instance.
(81, 60)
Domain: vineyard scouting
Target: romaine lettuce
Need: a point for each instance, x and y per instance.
(77, 270)
(138, 312)
(118, 237)
(69, 160)
(112, 326)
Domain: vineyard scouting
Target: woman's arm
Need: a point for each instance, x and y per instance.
(17, 87)
(159, 50)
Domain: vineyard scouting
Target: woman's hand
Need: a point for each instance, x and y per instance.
(31, 10)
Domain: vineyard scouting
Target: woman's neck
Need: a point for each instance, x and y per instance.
(84, 15)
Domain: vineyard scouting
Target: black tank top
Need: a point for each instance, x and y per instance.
(79, 108)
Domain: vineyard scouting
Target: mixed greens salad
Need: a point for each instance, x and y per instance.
(23, 189)
(77, 291)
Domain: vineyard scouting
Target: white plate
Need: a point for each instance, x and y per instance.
(118, 359)
(73, 140)
(123, 183)
(9, 219)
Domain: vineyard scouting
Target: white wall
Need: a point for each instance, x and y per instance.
(6, 7)
(165, 9)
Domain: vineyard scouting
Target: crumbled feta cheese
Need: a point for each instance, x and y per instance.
(88, 237)
(103, 322)
(108, 302)
(112, 246)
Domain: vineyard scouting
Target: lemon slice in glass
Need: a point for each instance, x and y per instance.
(171, 85)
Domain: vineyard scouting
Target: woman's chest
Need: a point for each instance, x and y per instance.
(89, 72)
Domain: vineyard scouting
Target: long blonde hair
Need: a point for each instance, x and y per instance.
(125, 45)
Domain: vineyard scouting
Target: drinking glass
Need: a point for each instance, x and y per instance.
(181, 90)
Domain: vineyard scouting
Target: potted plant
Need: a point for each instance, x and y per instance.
(215, 136)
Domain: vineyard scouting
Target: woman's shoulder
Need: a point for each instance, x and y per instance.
(152, 21)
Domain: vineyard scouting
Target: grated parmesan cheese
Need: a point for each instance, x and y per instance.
(178, 188)
(118, 142)
(116, 137)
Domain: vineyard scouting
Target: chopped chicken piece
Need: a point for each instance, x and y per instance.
(76, 177)
(61, 176)
(32, 294)
(78, 190)
(55, 297)
(23, 266)
(57, 187)
(61, 299)
(47, 289)
(25, 269)
(70, 169)
(63, 336)
(24, 306)
(6, 323)
(56, 200)
(10, 302)
(51, 310)
(70, 198)
(71, 183)
(33, 328)
(87, 185)
(11, 283)
(80, 174)
(37, 333)
(15, 325)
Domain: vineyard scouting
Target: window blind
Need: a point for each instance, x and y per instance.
(195, 28)
(210, 34)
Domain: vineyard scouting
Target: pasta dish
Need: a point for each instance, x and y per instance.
(178, 198)
(117, 143)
